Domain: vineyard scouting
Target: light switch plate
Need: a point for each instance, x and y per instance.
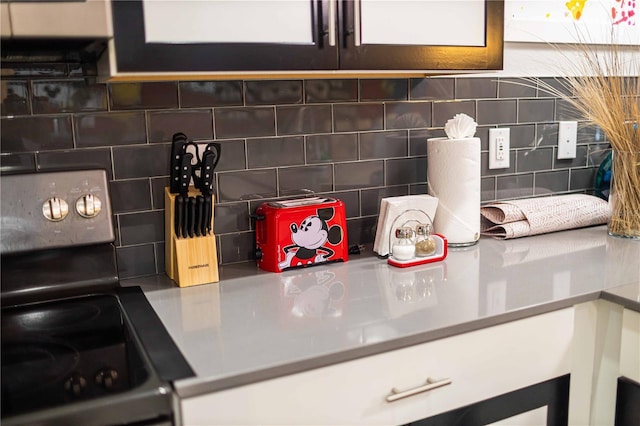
(567, 139)
(499, 143)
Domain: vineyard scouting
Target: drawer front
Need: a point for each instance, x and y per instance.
(480, 365)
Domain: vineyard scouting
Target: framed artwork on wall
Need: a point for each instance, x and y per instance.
(573, 21)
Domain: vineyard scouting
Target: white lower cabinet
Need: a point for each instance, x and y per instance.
(630, 345)
(606, 347)
(479, 365)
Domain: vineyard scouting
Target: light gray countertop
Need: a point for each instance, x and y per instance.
(255, 325)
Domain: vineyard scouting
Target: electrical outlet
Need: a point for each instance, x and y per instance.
(499, 142)
(567, 139)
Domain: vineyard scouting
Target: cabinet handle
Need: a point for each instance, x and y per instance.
(332, 23)
(356, 23)
(429, 385)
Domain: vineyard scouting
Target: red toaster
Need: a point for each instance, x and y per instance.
(300, 232)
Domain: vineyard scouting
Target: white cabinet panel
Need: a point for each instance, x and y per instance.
(228, 21)
(431, 22)
(480, 364)
(630, 345)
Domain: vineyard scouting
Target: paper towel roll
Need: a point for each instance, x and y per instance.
(453, 176)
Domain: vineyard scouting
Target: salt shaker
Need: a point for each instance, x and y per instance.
(403, 246)
(425, 244)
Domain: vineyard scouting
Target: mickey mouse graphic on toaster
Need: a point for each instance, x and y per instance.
(309, 240)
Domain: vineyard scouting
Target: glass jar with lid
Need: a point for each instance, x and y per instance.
(403, 244)
(425, 244)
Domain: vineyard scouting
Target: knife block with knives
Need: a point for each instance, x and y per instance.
(190, 244)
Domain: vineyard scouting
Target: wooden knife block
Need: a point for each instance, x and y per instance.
(188, 261)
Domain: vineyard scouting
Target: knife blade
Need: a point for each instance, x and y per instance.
(207, 215)
(199, 227)
(177, 149)
(192, 216)
(179, 212)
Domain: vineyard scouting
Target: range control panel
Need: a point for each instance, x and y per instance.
(54, 210)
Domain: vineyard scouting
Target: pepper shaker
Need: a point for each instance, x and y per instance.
(425, 244)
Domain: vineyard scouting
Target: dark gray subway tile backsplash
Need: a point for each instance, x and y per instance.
(383, 144)
(358, 117)
(270, 92)
(15, 97)
(244, 122)
(196, 123)
(152, 95)
(305, 180)
(496, 112)
(272, 152)
(534, 110)
(210, 93)
(432, 88)
(99, 158)
(443, 111)
(355, 139)
(384, 90)
(110, 129)
(331, 148)
(36, 133)
(52, 96)
(476, 88)
(337, 90)
(296, 120)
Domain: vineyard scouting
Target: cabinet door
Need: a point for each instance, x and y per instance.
(424, 35)
(224, 35)
(627, 403)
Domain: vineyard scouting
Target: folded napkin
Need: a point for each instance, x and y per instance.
(533, 216)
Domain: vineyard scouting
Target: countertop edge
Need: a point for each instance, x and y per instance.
(193, 387)
(620, 300)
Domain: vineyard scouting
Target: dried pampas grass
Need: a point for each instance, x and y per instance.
(604, 88)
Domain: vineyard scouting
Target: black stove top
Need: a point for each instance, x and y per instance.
(66, 351)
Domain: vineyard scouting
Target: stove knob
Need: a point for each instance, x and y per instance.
(75, 384)
(88, 206)
(55, 209)
(107, 378)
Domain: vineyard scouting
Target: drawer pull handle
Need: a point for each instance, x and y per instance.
(429, 385)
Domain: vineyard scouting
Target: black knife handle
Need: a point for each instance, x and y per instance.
(177, 149)
(192, 216)
(178, 215)
(209, 161)
(185, 173)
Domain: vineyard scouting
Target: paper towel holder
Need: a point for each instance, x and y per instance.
(441, 242)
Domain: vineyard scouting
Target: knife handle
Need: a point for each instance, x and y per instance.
(185, 174)
(192, 216)
(209, 161)
(177, 149)
(178, 215)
